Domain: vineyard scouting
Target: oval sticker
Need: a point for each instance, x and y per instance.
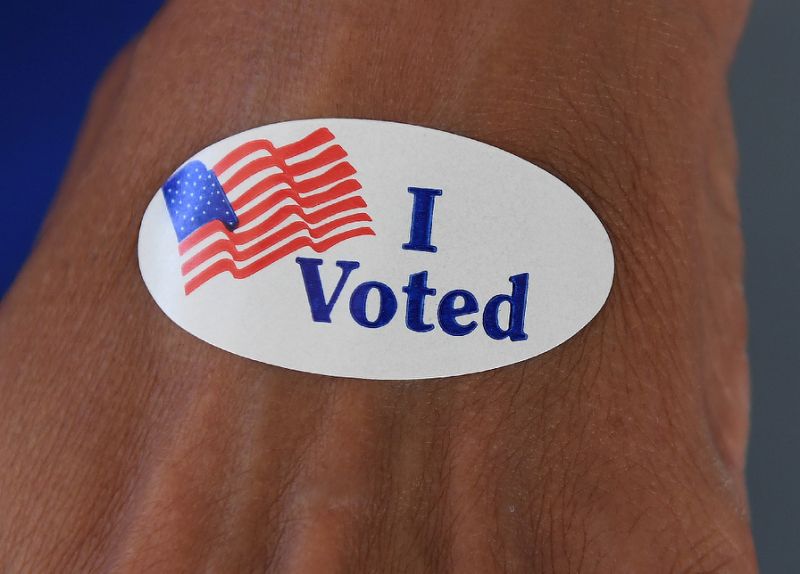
(372, 249)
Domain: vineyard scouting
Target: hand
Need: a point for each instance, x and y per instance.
(129, 445)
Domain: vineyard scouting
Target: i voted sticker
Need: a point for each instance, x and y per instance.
(372, 249)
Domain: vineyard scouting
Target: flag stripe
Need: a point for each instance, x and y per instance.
(228, 265)
(339, 190)
(240, 238)
(314, 139)
(295, 227)
(248, 171)
(346, 204)
(265, 192)
(336, 173)
(325, 157)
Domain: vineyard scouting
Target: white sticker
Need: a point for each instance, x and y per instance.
(372, 249)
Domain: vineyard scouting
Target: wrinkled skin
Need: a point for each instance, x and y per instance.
(129, 445)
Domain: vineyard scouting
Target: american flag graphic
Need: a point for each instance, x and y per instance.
(262, 202)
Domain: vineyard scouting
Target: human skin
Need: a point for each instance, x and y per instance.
(128, 445)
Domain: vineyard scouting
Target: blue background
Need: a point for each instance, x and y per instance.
(54, 53)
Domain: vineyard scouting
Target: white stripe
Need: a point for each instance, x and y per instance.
(264, 216)
(241, 163)
(237, 191)
(240, 264)
(258, 200)
(234, 193)
(313, 152)
(262, 153)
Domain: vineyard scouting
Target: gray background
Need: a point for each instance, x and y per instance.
(765, 86)
(56, 50)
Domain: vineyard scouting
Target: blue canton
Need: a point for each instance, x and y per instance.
(194, 197)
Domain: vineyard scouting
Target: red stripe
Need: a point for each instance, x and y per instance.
(288, 151)
(312, 140)
(317, 225)
(231, 247)
(336, 173)
(249, 170)
(340, 189)
(348, 204)
(263, 207)
(240, 237)
(228, 265)
(239, 153)
(201, 233)
(326, 157)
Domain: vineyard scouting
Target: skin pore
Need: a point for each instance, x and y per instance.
(129, 445)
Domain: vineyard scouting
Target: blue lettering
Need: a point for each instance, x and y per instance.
(516, 316)
(448, 312)
(416, 290)
(387, 307)
(422, 219)
(320, 309)
(453, 306)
